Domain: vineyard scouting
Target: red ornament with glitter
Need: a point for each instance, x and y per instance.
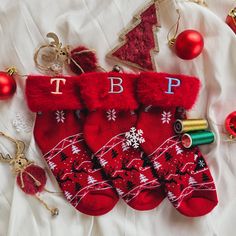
(230, 124)
(231, 19)
(30, 178)
(189, 44)
(7, 84)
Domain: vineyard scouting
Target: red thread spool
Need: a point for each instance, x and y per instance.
(230, 124)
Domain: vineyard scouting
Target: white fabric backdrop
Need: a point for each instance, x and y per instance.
(96, 24)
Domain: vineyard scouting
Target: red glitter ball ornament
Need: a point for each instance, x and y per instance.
(230, 124)
(231, 19)
(32, 179)
(189, 44)
(7, 85)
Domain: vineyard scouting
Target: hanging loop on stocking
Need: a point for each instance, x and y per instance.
(30, 178)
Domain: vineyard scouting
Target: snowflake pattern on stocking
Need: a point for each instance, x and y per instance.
(166, 117)
(22, 123)
(60, 116)
(134, 137)
(111, 115)
(201, 163)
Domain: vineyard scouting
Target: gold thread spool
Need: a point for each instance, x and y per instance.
(183, 126)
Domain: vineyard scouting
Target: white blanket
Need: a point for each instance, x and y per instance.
(96, 24)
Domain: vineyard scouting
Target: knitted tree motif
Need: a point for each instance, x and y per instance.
(63, 156)
(91, 180)
(143, 178)
(119, 191)
(114, 153)
(103, 162)
(156, 165)
(130, 185)
(205, 177)
(139, 42)
(178, 150)
(168, 156)
(192, 181)
(75, 150)
(96, 163)
(52, 165)
(77, 186)
(171, 196)
(68, 195)
(146, 160)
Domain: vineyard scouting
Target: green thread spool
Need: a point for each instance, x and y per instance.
(197, 138)
(183, 126)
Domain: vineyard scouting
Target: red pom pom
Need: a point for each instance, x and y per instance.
(33, 179)
(84, 58)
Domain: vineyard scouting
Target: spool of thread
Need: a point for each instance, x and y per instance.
(183, 126)
(197, 138)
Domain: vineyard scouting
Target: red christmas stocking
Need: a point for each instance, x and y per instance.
(183, 172)
(110, 132)
(58, 133)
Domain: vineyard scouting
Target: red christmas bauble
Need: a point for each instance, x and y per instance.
(189, 44)
(7, 85)
(231, 19)
(32, 179)
(230, 124)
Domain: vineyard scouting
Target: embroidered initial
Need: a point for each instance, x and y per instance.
(58, 80)
(116, 82)
(171, 84)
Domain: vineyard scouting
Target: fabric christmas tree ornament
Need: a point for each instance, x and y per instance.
(110, 132)
(182, 172)
(58, 133)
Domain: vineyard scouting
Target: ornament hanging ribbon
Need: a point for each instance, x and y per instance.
(30, 178)
(188, 44)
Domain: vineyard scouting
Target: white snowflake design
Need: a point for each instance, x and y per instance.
(134, 137)
(111, 115)
(60, 116)
(166, 117)
(201, 163)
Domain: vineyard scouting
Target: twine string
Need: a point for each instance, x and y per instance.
(175, 28)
